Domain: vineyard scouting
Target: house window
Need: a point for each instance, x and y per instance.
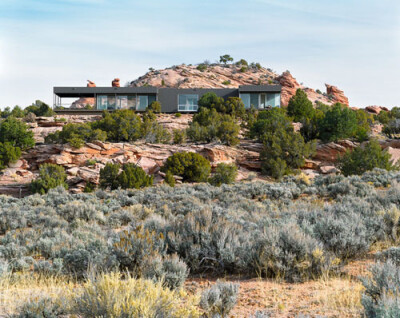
(142, 102)
(255, 100)
(106, 102)
(274, 100)
(246, 100)
(122, 102)
(101, 102)
(188, 102)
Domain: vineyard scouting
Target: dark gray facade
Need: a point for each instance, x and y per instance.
(172, 99)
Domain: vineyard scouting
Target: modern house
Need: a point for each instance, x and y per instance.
(172, 99)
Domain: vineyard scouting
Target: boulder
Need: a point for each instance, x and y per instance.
(376, 109)
(330, 151)
(115, 82)
(90, 83)
(336, 94)
(328, 169)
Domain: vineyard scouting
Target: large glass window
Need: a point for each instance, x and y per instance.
(274, 100)
(132, 102)
(101, 102)
(111, 101)
(122, 102)
(188, 102)
(255, 100)
(246, 100)
(143, 102)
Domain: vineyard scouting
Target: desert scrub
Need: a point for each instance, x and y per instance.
(50, 176)
(219, 300)
(381, 297)
(111, 296)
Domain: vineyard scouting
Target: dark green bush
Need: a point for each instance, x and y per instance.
(300, 107)
(177, 115)
(190, 166)
(179, 136)
(392, 129)
(8, 154)
(40, 108)
(134, 177)
(16, 133)
(155, 107)
(169, 179)
(118, 126)
(50, 176)
(209, 125)
(284, 150)
(201, 67)
(109, 176)
(365, 158)
(76, 135)
(383, 117)
(131, 177)
(121, 125)
(339, 122)
(224, 174)
(225, 58)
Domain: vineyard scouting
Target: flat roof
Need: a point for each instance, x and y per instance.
(260, 88)
(90, 91)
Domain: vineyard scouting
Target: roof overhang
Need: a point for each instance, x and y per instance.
(260, 88)
(91, 91)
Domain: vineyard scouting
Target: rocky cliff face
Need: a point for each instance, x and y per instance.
(227, 76)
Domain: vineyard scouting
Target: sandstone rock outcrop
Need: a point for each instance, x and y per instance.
(376, 109)
(289, 86)
(330, 151)
(217, 76)
(83, 102)
(115, 82)
(91, 84)
(336, 94)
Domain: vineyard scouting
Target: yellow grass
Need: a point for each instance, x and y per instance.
(19, 288)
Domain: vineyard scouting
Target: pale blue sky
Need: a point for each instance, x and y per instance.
(354, 44)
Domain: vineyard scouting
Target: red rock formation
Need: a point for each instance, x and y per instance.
(91, 84)
(115, 82)
(376, 109)
(83, 102)
(289, 87)
(336, 94)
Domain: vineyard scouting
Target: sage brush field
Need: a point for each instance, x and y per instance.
(293, 229)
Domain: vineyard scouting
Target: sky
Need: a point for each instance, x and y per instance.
(353, 44)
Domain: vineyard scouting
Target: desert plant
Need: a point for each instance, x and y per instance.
(130, 177)
(169, 179)
(155, 107)
(50, 176)
(225, 59)
(179, 136)
(189, 165)
(300, 107)
(224, 174)
(339, 122)
(16, 133)
(169, 269)
(381, 297)
(365, 158)
(219, 300)
(8, 154)
(110, 296)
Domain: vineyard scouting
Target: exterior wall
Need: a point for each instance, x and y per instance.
(168, 97)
